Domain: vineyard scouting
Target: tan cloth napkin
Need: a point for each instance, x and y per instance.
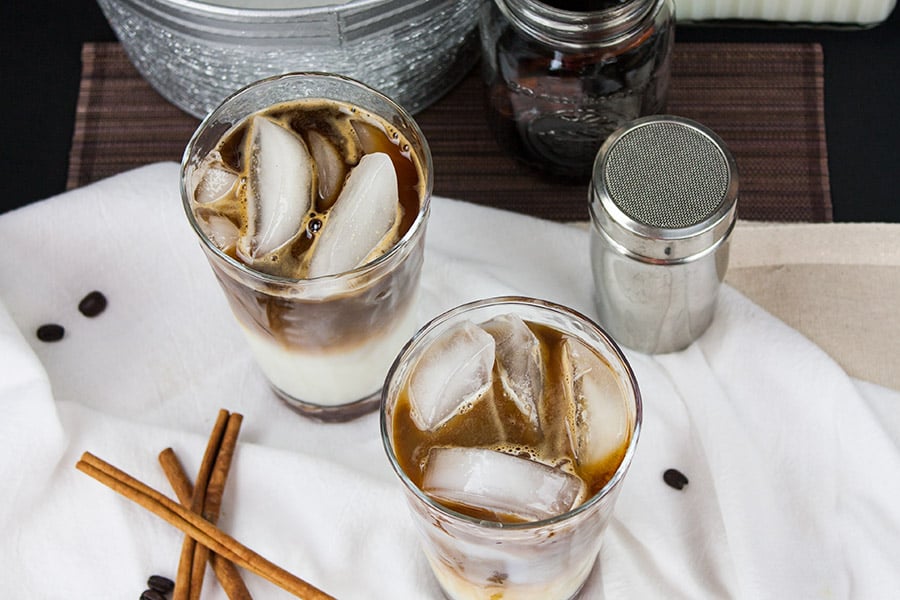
(838, 284)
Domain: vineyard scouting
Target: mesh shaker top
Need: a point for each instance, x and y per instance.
(667, 175)
(664, 188)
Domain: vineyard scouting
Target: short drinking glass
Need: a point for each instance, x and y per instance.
(511, 423)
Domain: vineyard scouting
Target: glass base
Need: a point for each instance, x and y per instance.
(339, 413)
(575, 596)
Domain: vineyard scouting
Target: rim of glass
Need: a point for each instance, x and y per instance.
(418, 223)
(543, 305)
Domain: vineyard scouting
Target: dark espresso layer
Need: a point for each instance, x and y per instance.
(371, 302)
(343, 128)
(477, 427)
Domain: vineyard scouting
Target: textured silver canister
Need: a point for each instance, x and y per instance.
(663, 204)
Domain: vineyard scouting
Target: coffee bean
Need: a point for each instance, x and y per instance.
(93, 304)
(152, 595)
(50, 332)
(675, 478)
(160, 584)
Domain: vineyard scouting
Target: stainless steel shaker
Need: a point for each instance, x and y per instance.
(663, 203)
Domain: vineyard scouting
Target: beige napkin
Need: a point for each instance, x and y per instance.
(838, 284)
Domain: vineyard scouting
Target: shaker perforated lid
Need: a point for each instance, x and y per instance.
(665, 189)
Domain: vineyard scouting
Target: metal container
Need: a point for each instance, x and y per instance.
(663, 203)
(196, 53)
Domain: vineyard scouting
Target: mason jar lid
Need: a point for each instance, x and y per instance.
(579, 30)
(664, 189)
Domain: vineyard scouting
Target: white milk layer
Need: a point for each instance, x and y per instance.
(333, 378)
(520, 584)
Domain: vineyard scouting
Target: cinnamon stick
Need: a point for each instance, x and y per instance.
(197, 527)
(212, 496)
(190, 573)
(216, 488)
(227, 574)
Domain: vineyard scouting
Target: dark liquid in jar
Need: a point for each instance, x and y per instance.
(553, 108)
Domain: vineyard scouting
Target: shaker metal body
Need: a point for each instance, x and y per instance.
(663, 203)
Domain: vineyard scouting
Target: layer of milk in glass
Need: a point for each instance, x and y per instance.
(332, 378)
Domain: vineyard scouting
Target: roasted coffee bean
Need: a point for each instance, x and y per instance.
(151, 594)
(50, 332)
(675, 478)
(160, 584)
(93, 304)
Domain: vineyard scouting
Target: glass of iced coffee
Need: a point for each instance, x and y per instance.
(511, 423)
(310, 194)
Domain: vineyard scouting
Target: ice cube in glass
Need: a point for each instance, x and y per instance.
(519, 362)
(510, 488)
(599, 423)
(279, 187)
(454, 372)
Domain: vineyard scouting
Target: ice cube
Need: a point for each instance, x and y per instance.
(371, 137)
(213, 180)
(519, 361)
(499, 483)
(452, 373)
(330, 167)
(220, 231)
(279, 190)
(598, 424)
(365, 212)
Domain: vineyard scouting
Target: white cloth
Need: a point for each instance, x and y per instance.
(793, 466)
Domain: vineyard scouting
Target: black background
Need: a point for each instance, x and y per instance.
(41, 46)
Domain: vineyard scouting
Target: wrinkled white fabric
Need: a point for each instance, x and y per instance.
(792, 465)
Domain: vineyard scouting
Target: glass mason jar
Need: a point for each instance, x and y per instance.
(562, 75)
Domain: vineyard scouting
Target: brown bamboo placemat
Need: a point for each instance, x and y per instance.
(764, 100)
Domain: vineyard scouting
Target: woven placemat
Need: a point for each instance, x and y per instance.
(764, 100)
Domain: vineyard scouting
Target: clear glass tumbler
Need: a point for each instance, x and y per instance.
(484, 558)
(324, 343)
